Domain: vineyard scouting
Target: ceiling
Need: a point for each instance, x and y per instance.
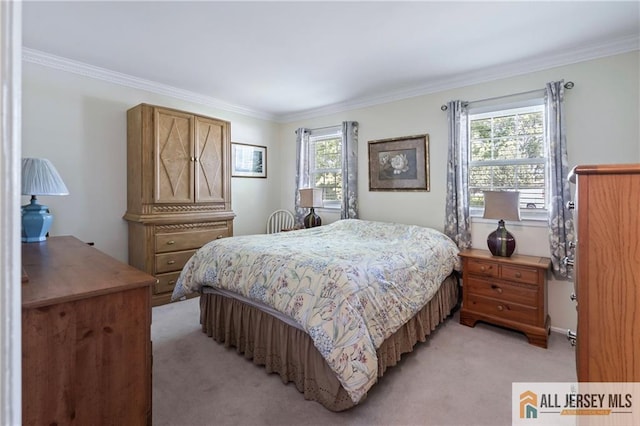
(285, 60)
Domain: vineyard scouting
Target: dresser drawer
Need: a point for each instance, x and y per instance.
(479, 267)
(169, 262)
(504, 310)
(166, 282)
(186, 240)
(522, 294)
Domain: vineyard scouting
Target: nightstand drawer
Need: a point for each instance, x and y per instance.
(168, 262)
(479, 267)
(519, 274)
(504, 310)
(522, 294)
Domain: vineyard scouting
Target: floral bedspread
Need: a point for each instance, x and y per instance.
(350, 284)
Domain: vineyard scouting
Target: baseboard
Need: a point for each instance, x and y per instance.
(562, 331)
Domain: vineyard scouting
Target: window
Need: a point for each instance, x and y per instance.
(507, 152)
(325, 164)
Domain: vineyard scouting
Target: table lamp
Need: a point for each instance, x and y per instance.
(502, 205)
(39, 177)
(310, 198)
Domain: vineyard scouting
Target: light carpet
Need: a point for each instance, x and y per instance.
(460, 376)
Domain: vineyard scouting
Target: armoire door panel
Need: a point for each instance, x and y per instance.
(174, 157)
(209, 142)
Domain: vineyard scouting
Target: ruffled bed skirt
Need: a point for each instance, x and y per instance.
(290, 352)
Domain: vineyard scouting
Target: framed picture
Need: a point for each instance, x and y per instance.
(399, 164)
(248, 160)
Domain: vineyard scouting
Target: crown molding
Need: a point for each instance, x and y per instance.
(57, 62)
(542, 62)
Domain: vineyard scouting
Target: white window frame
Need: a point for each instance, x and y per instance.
(333, 132)
(523, 106)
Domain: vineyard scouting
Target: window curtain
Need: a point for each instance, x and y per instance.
(457, 208)
(349, 208)
(561, 230)
(349, 202)
(302, 171)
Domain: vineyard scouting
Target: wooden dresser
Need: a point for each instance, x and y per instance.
(506, 291)
(86, 338)
(178, 189)
(607, 272)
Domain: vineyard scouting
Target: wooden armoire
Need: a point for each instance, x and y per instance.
(178, 189)
(607, 272)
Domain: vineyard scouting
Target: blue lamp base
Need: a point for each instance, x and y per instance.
(36, 221)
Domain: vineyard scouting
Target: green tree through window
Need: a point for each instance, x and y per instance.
(506, 152)
(325, 167)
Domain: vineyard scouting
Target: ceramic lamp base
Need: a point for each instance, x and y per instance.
(36, 221)
(501, 242)
(312, 219)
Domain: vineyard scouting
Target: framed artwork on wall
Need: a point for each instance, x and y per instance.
(248, 160)
(399, 164)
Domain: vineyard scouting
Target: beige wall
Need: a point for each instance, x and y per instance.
(79, 124)
(602, 113)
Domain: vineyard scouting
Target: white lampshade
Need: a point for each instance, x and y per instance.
(40, 177)
(503, 205)
(311, 197)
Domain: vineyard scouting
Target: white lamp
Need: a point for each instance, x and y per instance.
(502, 205)
(39, 177)
(310, 198)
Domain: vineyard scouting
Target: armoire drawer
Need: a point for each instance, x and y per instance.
(186, 240)
(522, 294)
(174, 261)
(166, 282)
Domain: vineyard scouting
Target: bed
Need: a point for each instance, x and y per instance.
(328, 308)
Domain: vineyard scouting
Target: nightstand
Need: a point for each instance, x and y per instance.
(506, 291)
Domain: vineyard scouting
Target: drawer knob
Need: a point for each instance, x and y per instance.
(500, 308)
(219, 236)
(170, 262)
(485, 268)
(518, 274)
(496, 288)
(172, 282)
(171, 242)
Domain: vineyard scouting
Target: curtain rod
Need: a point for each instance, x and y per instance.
(320, 128)
(567, 85)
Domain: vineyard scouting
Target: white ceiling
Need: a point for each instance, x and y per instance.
(285, 60)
